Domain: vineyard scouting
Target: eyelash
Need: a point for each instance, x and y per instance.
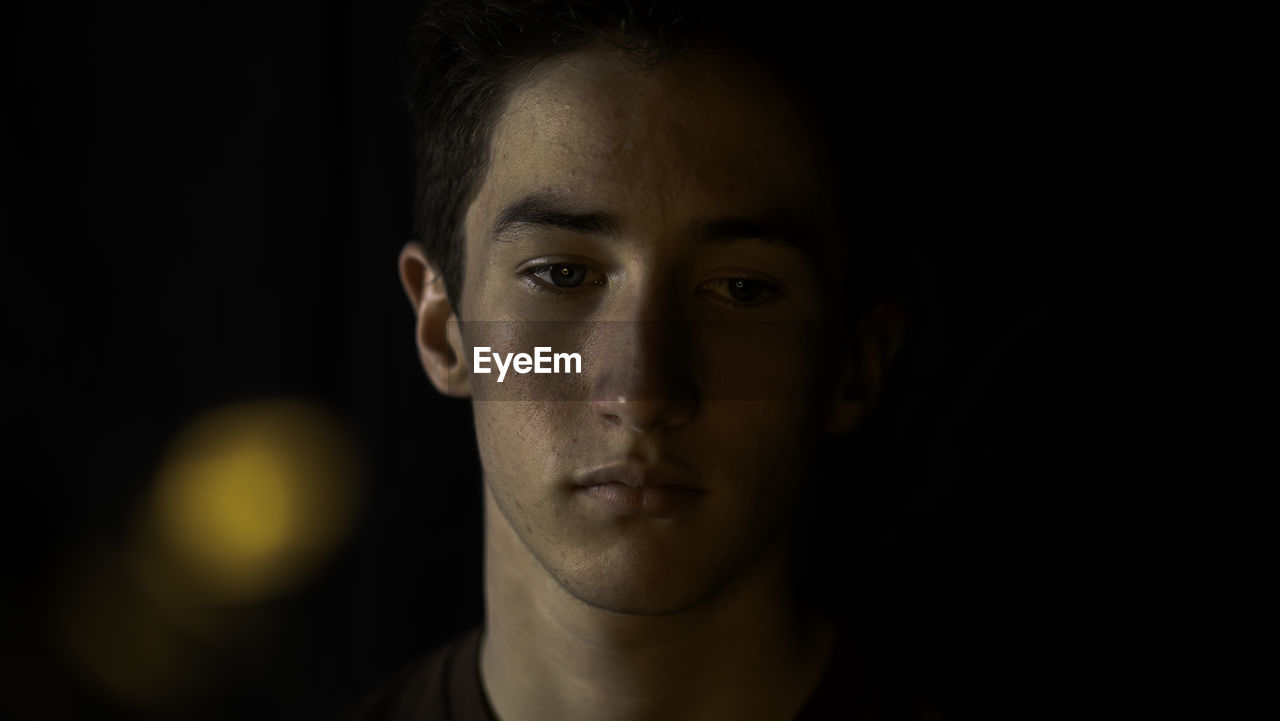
(768, 290)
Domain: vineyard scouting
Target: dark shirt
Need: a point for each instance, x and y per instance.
(444, 685)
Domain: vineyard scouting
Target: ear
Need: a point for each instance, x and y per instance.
(863, 364)
(439, 340)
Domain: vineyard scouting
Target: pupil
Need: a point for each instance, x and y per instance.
(745, 290)
(568, 276)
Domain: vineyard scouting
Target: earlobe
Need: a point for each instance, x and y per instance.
(439, 341)
(864, 362)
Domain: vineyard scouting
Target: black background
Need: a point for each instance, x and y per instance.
(1060, 500)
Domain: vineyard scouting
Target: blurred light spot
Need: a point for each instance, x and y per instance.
(251, 498)
(115, 638)
(247, 502)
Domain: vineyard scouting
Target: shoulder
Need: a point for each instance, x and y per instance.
(442, 685)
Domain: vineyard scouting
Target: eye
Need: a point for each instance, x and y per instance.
(745, 290)
(740, 292)
(563, 277)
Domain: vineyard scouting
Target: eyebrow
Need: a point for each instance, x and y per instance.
(770, 231)
(545, 210)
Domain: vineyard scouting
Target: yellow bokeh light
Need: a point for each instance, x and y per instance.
(252, 497)
(248, 501)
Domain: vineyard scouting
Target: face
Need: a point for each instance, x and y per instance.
(677, 227)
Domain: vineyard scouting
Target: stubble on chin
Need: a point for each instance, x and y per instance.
(618, 566)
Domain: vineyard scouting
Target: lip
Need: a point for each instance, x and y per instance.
(653, 491)
(659, 475)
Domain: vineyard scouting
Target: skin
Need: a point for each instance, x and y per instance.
(695, 170)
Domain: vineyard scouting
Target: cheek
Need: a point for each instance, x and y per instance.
(757, 461)
(768, 434)
(776, 363)
(521, 442)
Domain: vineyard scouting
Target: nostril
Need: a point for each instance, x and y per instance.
(612, 418)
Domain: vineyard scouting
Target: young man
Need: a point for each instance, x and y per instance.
(661, 194)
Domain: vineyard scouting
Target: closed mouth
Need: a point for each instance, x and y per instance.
(640, 476)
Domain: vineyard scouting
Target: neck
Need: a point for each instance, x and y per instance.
(749, 651)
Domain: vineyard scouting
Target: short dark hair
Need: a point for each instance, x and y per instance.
(467, 56)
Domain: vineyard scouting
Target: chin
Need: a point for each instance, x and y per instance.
(660, 597)
(643, 579)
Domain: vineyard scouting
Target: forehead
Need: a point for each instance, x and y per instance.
(701, 136)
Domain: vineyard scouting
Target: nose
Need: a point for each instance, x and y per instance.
(646, 382)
